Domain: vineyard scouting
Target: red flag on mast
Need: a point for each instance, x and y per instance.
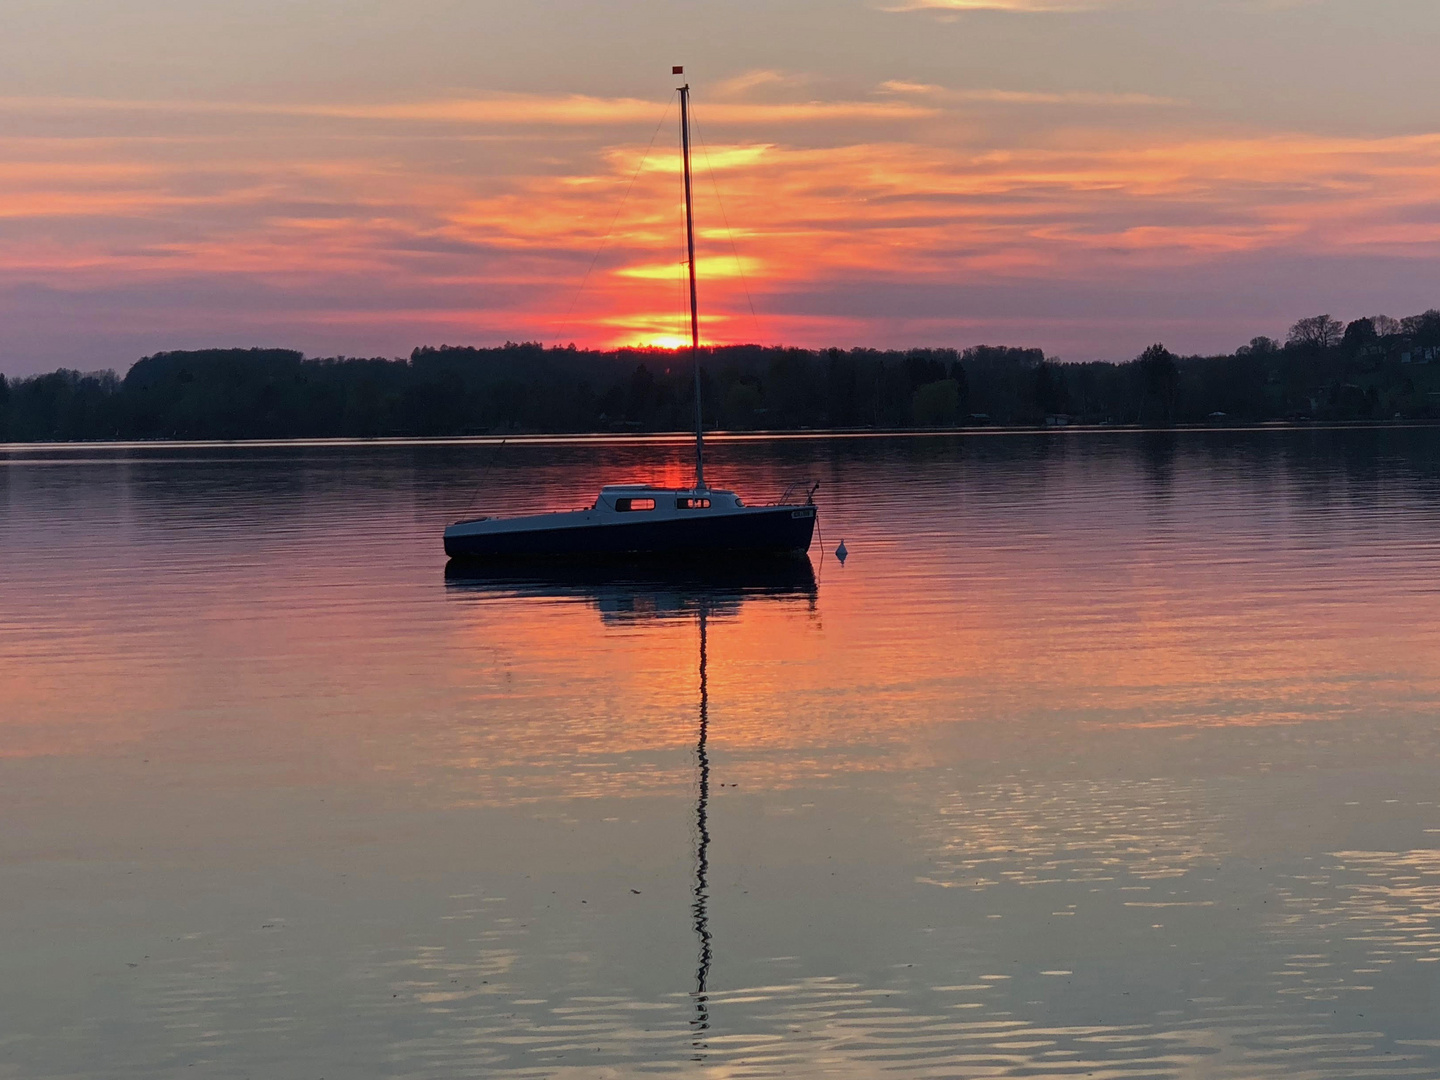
(677, 71)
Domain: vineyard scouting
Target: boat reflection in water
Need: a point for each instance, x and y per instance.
(646, 589)
(682, 590)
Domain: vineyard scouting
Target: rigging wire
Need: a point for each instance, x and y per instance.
(604, 240)
(483, 477)
(729, 232)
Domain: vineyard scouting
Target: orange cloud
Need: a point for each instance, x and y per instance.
(489, 227)
(577, 110)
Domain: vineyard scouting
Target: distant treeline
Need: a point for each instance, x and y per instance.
(1371, 369)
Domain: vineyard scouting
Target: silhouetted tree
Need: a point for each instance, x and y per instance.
(1318, 331)
(642, 395)
(1159, 381)
(1259, 346)
(1423, 329)
(962, 383)
(743, 405)
(1051, 393)
(937, 404)
(1358, 335)
(842, 386)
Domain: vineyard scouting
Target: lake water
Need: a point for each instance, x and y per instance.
(1108, 755)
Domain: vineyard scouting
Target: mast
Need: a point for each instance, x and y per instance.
(694, 305)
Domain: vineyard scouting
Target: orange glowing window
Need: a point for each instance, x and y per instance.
(692, 504)
(625, 505)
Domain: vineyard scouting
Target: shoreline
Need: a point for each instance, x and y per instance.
(667, 437)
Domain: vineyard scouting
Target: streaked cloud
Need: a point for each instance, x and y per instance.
(943, 95)
(511, 109)
(759, 79)
(900, 86)
(1066, 97)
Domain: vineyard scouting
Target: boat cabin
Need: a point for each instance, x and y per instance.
(644, 498)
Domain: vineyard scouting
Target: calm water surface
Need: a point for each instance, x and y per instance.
(1103, 755)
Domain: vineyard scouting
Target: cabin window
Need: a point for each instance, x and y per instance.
(692, 504)
(624, 505)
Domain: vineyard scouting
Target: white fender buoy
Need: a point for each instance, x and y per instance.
(842, 552)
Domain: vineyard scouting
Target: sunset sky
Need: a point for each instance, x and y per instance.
(363, 176)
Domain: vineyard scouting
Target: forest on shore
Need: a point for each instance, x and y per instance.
(1371, 369)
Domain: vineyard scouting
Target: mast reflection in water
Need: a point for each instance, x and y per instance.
(623, 593)
(701, 1022)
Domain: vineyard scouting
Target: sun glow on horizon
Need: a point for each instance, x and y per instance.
(672, 342)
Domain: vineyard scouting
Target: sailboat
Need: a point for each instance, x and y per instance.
(640, 519)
